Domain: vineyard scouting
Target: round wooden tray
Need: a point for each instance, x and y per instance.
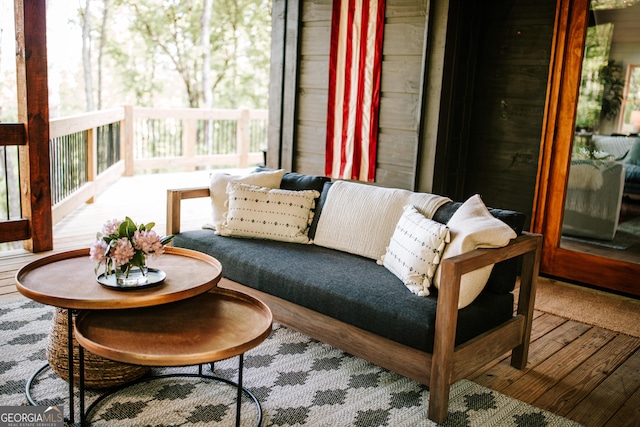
(68, 280)
(213, 326)
(99, 372)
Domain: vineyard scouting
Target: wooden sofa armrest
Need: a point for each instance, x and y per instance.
(174, 197)
(528, 245)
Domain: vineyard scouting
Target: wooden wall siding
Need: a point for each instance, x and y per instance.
(513, 57)
(463, 92)
(403, 51)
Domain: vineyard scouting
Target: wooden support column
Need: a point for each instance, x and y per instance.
(33, 110)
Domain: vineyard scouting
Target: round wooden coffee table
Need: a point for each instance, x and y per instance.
(68, 280)
(213, 326)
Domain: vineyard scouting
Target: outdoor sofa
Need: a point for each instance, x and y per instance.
(335, 288)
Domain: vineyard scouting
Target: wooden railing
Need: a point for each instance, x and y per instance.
(73, 146)
(90, 151)
(194, 138)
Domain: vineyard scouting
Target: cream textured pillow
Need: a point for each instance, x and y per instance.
(268, 213)
(415, 249)
(360, 219)
(218, 188)
(472, 226)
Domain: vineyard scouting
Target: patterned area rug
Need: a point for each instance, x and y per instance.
(298, 381)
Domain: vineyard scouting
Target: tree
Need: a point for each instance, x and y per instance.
(103, 37)
(172, 30)
(249, 25)
(85, 19)
(172, 53)
(207, 43)
(205, 40)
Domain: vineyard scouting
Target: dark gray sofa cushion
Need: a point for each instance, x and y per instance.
(346, 287)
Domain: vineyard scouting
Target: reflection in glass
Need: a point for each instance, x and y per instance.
(602, 204)
(630, 120)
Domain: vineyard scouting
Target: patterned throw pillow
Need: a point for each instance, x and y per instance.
(415, 250)
(268, 213)
(218, 189)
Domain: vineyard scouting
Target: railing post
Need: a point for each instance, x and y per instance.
(189, 139)
(243, 138)
(126, 146)
(92, 157)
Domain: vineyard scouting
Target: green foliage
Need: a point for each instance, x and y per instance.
(633, 95)
(157, 52)
(597, 45)
(611, 77)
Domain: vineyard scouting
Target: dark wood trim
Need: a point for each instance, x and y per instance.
(276, 82)
(568, 51)
(290, 89)
(283, 93)
(12, 134)
(33, 109)
(430, 130)
(14, 230)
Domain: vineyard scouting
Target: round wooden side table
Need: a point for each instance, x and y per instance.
(217, 325)
(68, 280)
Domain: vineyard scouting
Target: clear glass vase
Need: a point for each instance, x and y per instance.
(134, 276)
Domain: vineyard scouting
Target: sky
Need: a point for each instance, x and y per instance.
(63, 39)
(64, 45)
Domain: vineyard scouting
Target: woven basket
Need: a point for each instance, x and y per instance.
(99, 372)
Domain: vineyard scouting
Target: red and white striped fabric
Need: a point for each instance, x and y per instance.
(354, 89)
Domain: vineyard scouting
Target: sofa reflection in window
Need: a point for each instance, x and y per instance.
(593, 199)
(603, 168)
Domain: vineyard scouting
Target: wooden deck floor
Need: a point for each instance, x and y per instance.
(585, 373)
(141, 197)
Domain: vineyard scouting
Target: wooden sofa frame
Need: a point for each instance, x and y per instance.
(448, 363)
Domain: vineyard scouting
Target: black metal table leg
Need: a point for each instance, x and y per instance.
(239, 397)
(29, 385)
(86, 415)
(81, 368)
(70, 364)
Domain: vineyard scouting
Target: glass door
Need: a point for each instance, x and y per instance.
(602, 200)
(588, 205)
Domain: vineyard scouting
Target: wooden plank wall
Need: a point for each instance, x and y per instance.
(476, 94)
(513, 56)
(404, 40)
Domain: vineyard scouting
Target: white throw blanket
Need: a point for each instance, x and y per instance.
(585, 176)
(361, 219)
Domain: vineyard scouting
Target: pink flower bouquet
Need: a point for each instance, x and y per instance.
(122, 245)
